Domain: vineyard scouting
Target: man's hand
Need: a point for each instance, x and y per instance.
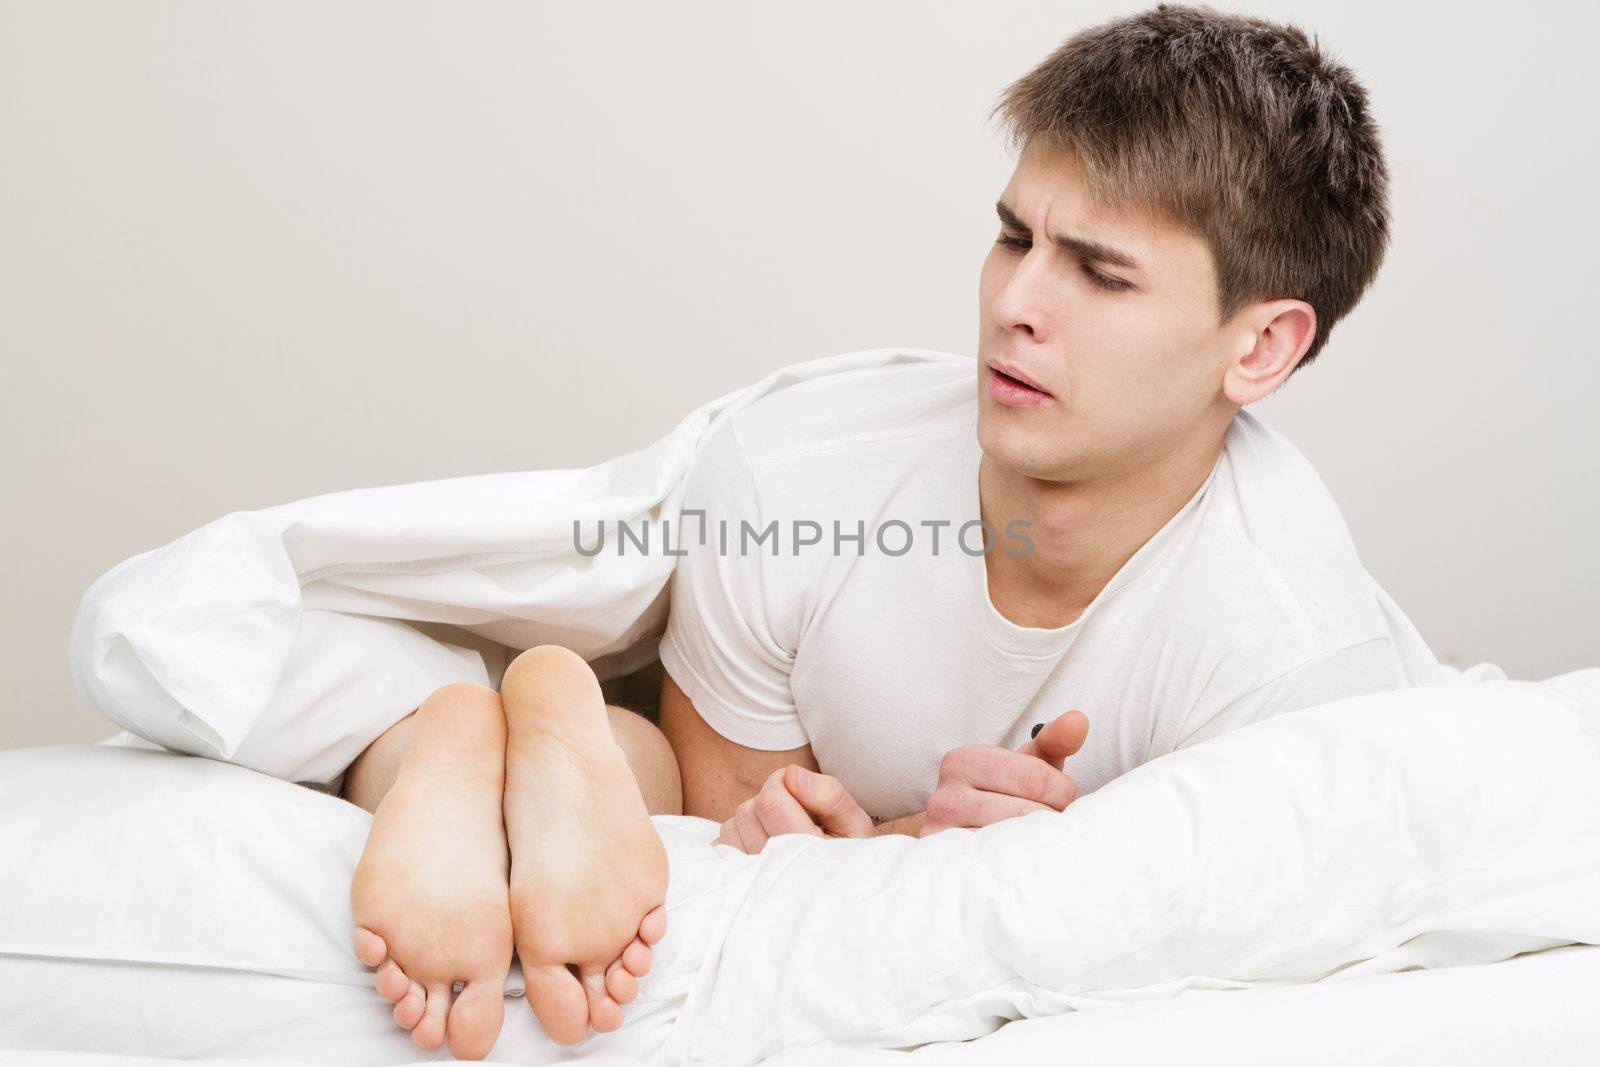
(983, 784)
(794, 800)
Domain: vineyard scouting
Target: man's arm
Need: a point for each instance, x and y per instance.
(717, 774)
(909, 825)
(720, 776)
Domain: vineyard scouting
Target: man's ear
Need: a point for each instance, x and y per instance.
(1279, 334)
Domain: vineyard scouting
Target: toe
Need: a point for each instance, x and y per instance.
(622, 986)
(409, 1011)
(653, 927)
(369, 947)
(558, 1001)
(392, 982)
(605, 1014)
(429, 1033)
(476, 1018)
(636, 958)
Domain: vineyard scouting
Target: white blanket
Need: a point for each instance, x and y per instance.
(280, 639)
(1426, 827)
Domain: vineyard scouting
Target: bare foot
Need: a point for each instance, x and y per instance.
(588, 871)
(430, 893)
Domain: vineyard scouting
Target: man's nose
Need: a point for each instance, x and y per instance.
(1019, 303)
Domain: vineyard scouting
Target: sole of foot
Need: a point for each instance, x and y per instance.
(430, 896)
(588, 870)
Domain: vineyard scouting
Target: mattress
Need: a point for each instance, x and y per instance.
(1535, 1008)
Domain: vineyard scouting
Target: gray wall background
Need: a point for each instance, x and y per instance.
(251, 252)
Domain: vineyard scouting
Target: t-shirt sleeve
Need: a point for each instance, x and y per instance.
(1370, 666)
(731, 631)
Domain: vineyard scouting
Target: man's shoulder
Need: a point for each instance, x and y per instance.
(1286, 507)
(1274, 553)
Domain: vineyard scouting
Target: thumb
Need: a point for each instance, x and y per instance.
(827, 801)
(1063, 736)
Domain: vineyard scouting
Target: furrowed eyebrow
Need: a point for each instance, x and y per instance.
(1091, 250)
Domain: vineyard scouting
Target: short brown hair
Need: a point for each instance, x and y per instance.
(1233, 128)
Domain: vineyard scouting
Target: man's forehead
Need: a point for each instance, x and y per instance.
(1053, 184)
(1050, 184)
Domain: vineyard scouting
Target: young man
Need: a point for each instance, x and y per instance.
(1199, 198)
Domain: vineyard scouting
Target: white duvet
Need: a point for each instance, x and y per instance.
(283, 640)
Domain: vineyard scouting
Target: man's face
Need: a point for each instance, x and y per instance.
(1128, 357)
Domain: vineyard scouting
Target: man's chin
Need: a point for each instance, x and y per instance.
(1024, 449)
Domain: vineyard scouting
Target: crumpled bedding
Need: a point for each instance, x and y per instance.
(284, 639)
(1427, 827)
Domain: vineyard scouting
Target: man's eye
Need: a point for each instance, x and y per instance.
(1105, 281)
(1095, 278)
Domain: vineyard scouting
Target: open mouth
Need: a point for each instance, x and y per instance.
(1014, 392)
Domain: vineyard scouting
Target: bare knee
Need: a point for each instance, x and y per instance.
(651, 759)
(371, 775)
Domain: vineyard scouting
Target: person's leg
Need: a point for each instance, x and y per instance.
(426, 748)
(645, 746)
(430, 896)
(374, 771)
(650, 758)
(588, 870)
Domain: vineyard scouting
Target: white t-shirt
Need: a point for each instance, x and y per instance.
(887, 653)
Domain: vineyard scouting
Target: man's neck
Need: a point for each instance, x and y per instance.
(1082, 532)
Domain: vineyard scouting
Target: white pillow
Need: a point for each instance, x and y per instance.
(158, 904)
(155, 857)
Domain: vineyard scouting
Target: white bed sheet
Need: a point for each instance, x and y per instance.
(1537, 1008)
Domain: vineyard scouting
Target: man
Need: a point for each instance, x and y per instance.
(935, 566)
(1199, 198)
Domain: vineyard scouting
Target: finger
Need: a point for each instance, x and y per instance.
(825, 798)
(998, 770)
(1061, 737)
(752, 836)
(730, 833)
(780, 812)
(976, 807)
